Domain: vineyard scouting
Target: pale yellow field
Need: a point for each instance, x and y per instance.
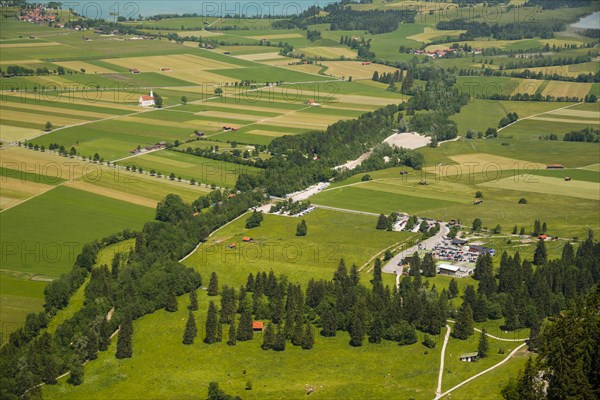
(548, 185)
(176, 62)
(266, 133)
(238, 106)
(529, 86)
(225, 115)
(198, 34)
(327, 52)
(14, 190)
(277, 36)
(366, 100)
(571, 89)
(18, 62)
(308, 68)
(576, 113)
(567, 120)
(34, 44)
(16, 133)
(355, 69)
(89, 68)
(27, 107)
(39, 119)
(573, 70)
(262, 56)
(592, 167)
(109, 99)
(481, 162)
(431, 33)
(301, 120)
(112, 193)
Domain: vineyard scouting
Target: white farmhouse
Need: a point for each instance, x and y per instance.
(146, 101)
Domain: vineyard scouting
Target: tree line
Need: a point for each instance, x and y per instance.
(139, 282)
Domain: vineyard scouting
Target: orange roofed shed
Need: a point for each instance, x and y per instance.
(257, 326)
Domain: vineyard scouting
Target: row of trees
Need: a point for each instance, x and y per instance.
(139, 282)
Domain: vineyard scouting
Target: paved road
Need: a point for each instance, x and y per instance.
(495, 337)
(392, 265)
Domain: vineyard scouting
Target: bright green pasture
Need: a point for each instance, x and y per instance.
(276, 247)
(189, 166)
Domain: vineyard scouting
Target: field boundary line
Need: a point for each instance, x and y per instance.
(537, 115)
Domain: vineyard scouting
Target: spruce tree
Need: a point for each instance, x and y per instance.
(124, 346)
(193, 300)
(568, 254)
(428, 266)
(268, 337)
(171, 302)
(329, 322)
(463, 328)
(484, 346)
(231, 335)
(522, 231)
(453, 289)
(213, 285)
(377, 277)
(190, 330)
(279, 340)
(308, 340)
(540, 256)
(515, 230)
(382, 222)
(376, 329)
(357, 326)
(244, 331)
(212, 323)
(301, 229)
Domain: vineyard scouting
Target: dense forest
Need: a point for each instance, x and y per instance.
(511, 31)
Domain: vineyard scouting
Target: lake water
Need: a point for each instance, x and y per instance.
(133, 8)
(592, 21)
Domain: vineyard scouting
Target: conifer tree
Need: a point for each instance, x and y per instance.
(463, 328)
(308, 340)
(268, 337)
(357, 326)
(193, 300)
(568, 254)
(213, 285)
(329, 322)
(376, 329)
(279, 340)
(301, 229)
(104, 335)
(212, 322)
(515, 230)
(116, 262)
(231, 335)
(191, 331)
(453, 288)
(124, 346)
(484, 346)
(428, 265)
(244, 331)
(540, 256)
(171, 302)
(382, 222)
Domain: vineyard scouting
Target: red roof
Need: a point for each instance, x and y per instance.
(146, 97)
(257, 325)
(247, 238)
(542, 237)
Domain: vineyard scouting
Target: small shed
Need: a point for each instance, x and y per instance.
(478, 201)
(567, 178)
(247, 239)
(469, 357)
(257, 326)
(543, 237)
(555, 166)
(232, 245)
(447, 269)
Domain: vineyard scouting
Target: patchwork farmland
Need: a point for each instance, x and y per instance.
(232, 187)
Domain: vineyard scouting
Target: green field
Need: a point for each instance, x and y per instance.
(188, 166)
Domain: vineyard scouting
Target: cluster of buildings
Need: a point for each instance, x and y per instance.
(441, 53)
(38, 15)
(157, 146)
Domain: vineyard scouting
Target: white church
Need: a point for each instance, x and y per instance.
(146, 101)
